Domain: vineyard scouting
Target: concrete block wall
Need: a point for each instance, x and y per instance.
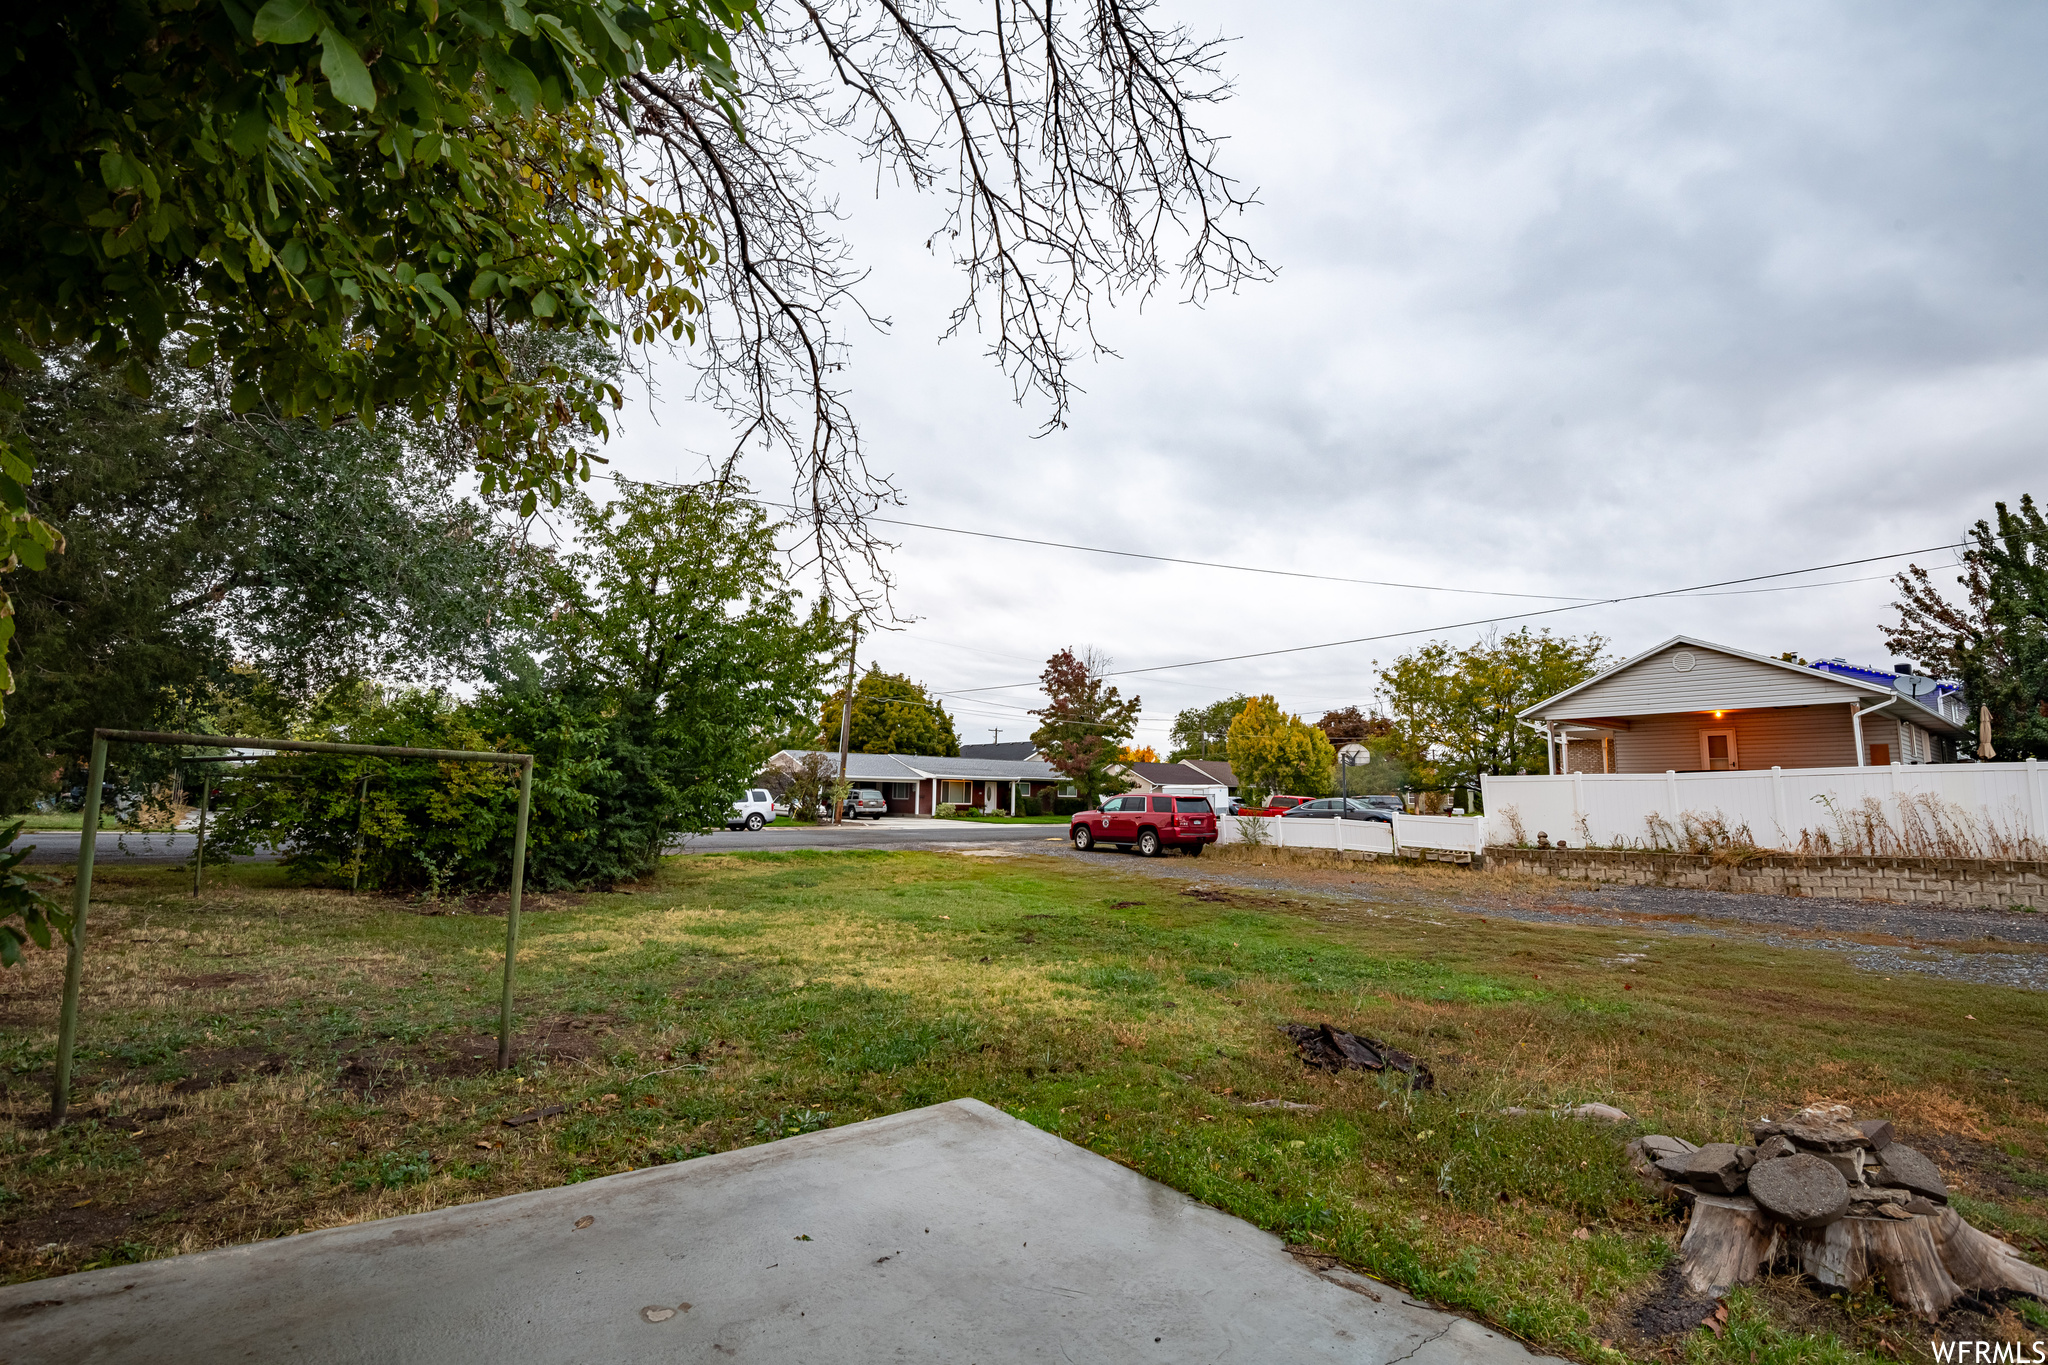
(1961, 883)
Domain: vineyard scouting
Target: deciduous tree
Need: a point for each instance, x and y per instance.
(1274, 752)
(1204, 731)
(1995, 641)
(1453, 709)
(1083, 723)
(892, 715)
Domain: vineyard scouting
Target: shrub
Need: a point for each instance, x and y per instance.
(945, 810)
(1027, 805)
(1068, 805)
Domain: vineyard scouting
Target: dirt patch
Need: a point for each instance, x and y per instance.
(389, 1068)
(88, 1226)
(212, 981)
(1667, 1310)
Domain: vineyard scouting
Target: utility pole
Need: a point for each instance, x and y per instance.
(996, 731)
(845, 724)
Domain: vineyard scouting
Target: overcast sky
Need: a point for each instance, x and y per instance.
(1574, 299)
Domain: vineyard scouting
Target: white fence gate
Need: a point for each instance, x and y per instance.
(1434, 833)
(1983, 810)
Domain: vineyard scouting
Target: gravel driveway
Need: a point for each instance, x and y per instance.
(1989, 947)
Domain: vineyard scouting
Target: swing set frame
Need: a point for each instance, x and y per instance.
(81, 895)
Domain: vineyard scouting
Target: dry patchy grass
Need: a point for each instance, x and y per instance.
(270, 1059)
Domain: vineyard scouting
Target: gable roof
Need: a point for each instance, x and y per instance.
(1170, 774)
(1212, 770)
(912, 767)
(1015, 750)
(1759, 681)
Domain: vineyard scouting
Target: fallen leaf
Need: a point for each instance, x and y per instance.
(654, 1314)
(801, 1237)
(81, 1203)
(585, 1221)
(1582, 1235)
(1971, 1017)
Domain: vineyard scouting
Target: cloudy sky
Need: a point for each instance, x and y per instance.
(1582, 300)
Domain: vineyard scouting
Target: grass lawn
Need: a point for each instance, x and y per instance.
(270, 1059)
(38, 820)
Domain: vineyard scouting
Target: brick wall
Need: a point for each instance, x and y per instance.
(1966, 883)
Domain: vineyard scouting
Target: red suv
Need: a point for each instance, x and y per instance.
(1151, 824)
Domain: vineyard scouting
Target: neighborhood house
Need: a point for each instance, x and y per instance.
(1692, 706)
(916, 784)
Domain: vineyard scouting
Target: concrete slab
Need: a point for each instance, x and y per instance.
(953, 1233)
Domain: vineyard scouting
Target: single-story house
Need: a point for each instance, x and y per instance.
(1693, 706)
(915, 784)
(1151, 777)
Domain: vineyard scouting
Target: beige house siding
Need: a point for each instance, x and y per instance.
(1716, 681)
(1777, 736)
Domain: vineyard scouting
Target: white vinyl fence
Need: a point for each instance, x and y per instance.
(1957, 810)
(1432, 833)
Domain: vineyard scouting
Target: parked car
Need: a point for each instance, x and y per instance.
(1150, 824)
(866, 801)
(753, 810)
(1340, 807)
(1275, 805)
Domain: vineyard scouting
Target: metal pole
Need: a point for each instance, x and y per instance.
(512, 914)
(199, 853)
(845, 724)
(362, 802)
(74, 959)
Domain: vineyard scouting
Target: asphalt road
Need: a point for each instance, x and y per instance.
(900, 832)
(116, 849)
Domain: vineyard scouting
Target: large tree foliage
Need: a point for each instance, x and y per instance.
(891, 715)
(1453, 709)
(1084, 722)
(343, 204)
(1204, 731)
(675, 651)
(1995, 642)
(347, 203)
(1274, 752)
(211, 556)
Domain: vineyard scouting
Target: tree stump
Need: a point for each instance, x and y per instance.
(1727, 1242)
(1927, 1261)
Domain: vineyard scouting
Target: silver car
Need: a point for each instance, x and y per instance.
(866, 801)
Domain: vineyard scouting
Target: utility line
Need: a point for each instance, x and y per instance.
(1483, 621)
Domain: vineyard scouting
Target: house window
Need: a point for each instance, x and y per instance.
(1717, 751)
(953, 793)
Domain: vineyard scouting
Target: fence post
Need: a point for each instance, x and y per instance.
(512, 914)
(1279, 833)
(199, 851)
(2039, 812)
(1579, 807)
(355, 883)
(74, 957)
(1671, 792)
(1778, 806)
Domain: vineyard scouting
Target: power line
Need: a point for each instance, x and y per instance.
(1483, 621)
(1140, 554)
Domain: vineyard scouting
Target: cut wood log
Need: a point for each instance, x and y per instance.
(1727, 1242)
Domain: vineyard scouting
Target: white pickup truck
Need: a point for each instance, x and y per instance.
(752, 811)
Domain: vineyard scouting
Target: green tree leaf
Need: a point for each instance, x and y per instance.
(288, 21)
(346, 75)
